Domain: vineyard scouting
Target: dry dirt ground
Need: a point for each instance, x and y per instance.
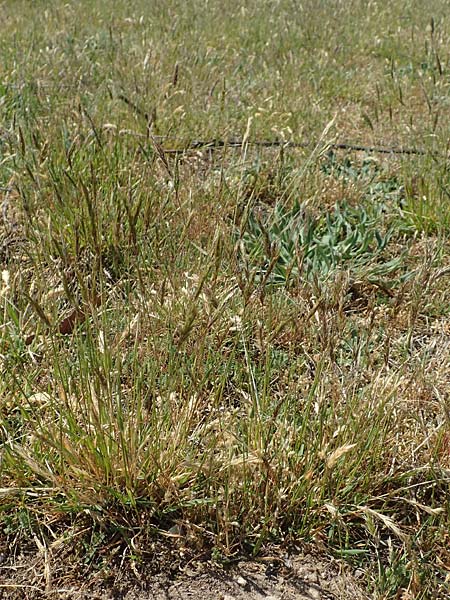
(301, 575)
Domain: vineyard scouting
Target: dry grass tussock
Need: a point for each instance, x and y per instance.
(231, 346)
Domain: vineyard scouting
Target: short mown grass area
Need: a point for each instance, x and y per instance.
(230, 344)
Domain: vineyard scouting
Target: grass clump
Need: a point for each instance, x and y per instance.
(241, 345)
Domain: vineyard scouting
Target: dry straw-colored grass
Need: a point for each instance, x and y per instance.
(179, 346)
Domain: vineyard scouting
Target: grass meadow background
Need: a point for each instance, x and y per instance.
(235, 345)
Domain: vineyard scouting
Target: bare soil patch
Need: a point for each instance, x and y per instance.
(307, 575)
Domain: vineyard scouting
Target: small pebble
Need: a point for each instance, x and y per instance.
(241, 581)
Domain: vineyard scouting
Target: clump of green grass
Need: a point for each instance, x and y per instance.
(161, 370)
